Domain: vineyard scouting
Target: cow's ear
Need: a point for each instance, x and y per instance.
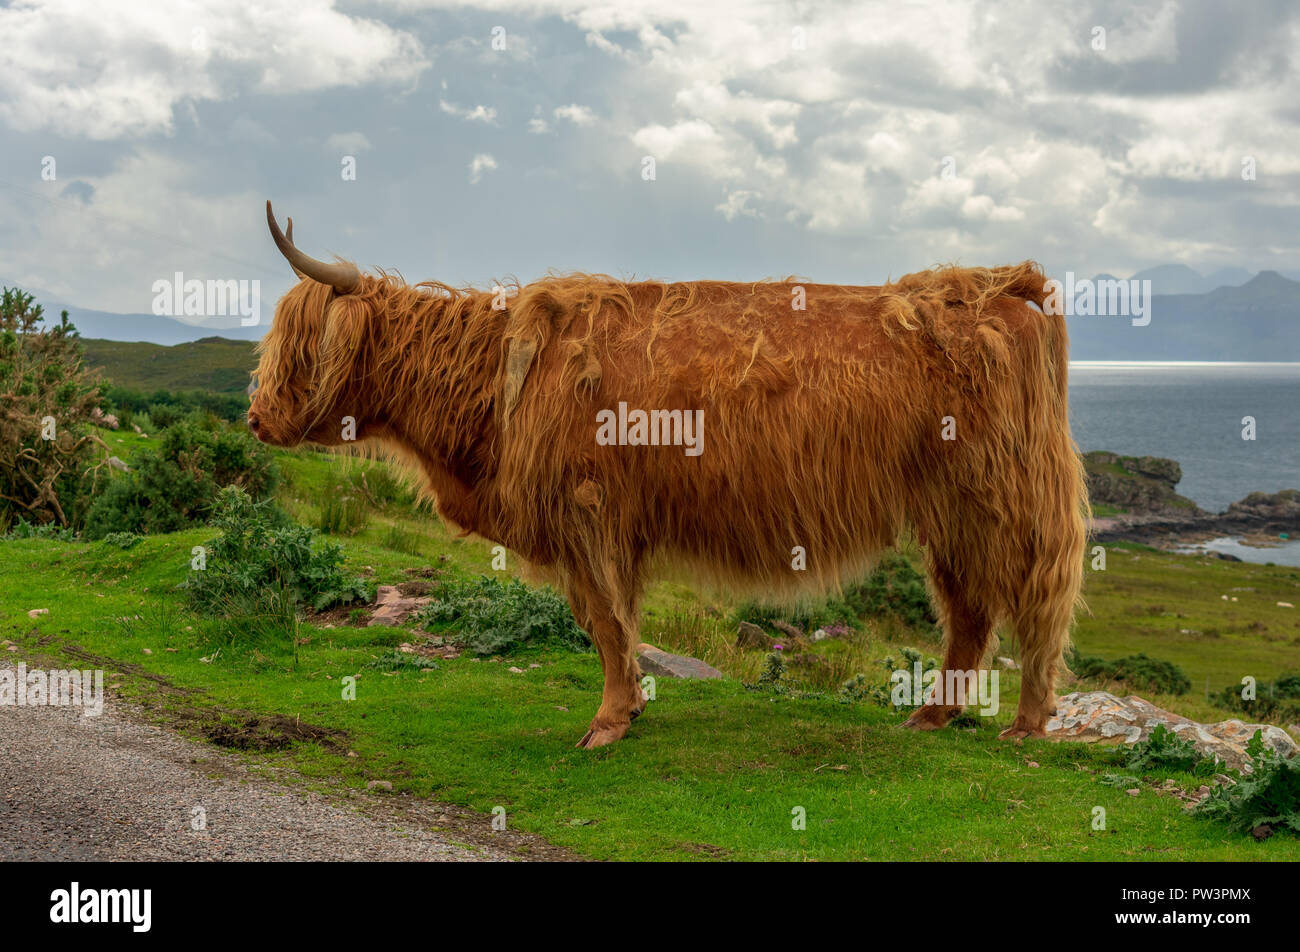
(346, 323)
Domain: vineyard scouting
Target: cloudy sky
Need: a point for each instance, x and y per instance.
(845, 142)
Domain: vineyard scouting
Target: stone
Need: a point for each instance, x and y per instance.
(392, 608)
(662, 664)
(1008, 663)
(751, 636)
(38, 612)
(379, 784)
(115, 462)
(1101, 717)
(787, 629)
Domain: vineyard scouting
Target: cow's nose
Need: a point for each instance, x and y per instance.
(254, 423)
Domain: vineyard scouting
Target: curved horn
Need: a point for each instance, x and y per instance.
(342, 276)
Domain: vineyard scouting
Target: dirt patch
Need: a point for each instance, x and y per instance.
(416, 589)
(340, 616)
(264, 732)
(427, 571)
(126, 667)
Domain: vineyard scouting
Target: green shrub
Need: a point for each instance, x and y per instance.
(123, 540)
(1136, 671)
(129, 405)
(22, 529)
(173, 487)
(490, 616)
(894, 589)
(881, 691)
(402, 540)
(1275, 701)
(1165, 750)
(164, 415)
(396, 660)
(1268, 795)
(806, 615)
(259, 565)
(342, 515)
(48, 399)
(379, 486)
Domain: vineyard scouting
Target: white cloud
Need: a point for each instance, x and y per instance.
(578, 115)
(478, 165)
(737, 204)
(538, 127)
(691, 142)
(485, 114)
(90, 70)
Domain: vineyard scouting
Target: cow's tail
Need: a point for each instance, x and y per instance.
(1052, 530)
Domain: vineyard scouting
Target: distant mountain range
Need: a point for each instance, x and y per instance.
(1258, 321)
(106, 325)
(1226, 315)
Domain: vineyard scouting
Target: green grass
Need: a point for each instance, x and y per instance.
(712, 769)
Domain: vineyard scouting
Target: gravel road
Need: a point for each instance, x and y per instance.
(74, 787)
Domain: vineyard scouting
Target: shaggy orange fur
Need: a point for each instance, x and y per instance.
(822, 429)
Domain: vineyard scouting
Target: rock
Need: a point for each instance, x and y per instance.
(116, 463)
(391, 608)
(661, 664)
(751, 636)
(146, 651)
(379, 784)
(38, 612)
(1008, 663)
(788, 629)
(1100, 717)
(1269, 509)
(1262, 832)
(1135, 484)
(1133, 791)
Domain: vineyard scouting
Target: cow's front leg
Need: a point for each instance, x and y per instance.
(615, 639)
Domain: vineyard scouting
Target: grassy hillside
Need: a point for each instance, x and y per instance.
(714, 769)
(216, 364)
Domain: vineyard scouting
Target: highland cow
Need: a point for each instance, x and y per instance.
(830, 420)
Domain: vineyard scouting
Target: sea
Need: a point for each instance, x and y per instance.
(1196, 413)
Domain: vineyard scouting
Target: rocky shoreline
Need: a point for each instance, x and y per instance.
(1154, 514)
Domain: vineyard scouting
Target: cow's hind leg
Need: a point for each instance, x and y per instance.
(607, 611)
(1042, 626)
(967, 626)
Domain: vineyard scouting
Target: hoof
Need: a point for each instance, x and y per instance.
(1015, 732)
(601, 733)
(928, 719)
